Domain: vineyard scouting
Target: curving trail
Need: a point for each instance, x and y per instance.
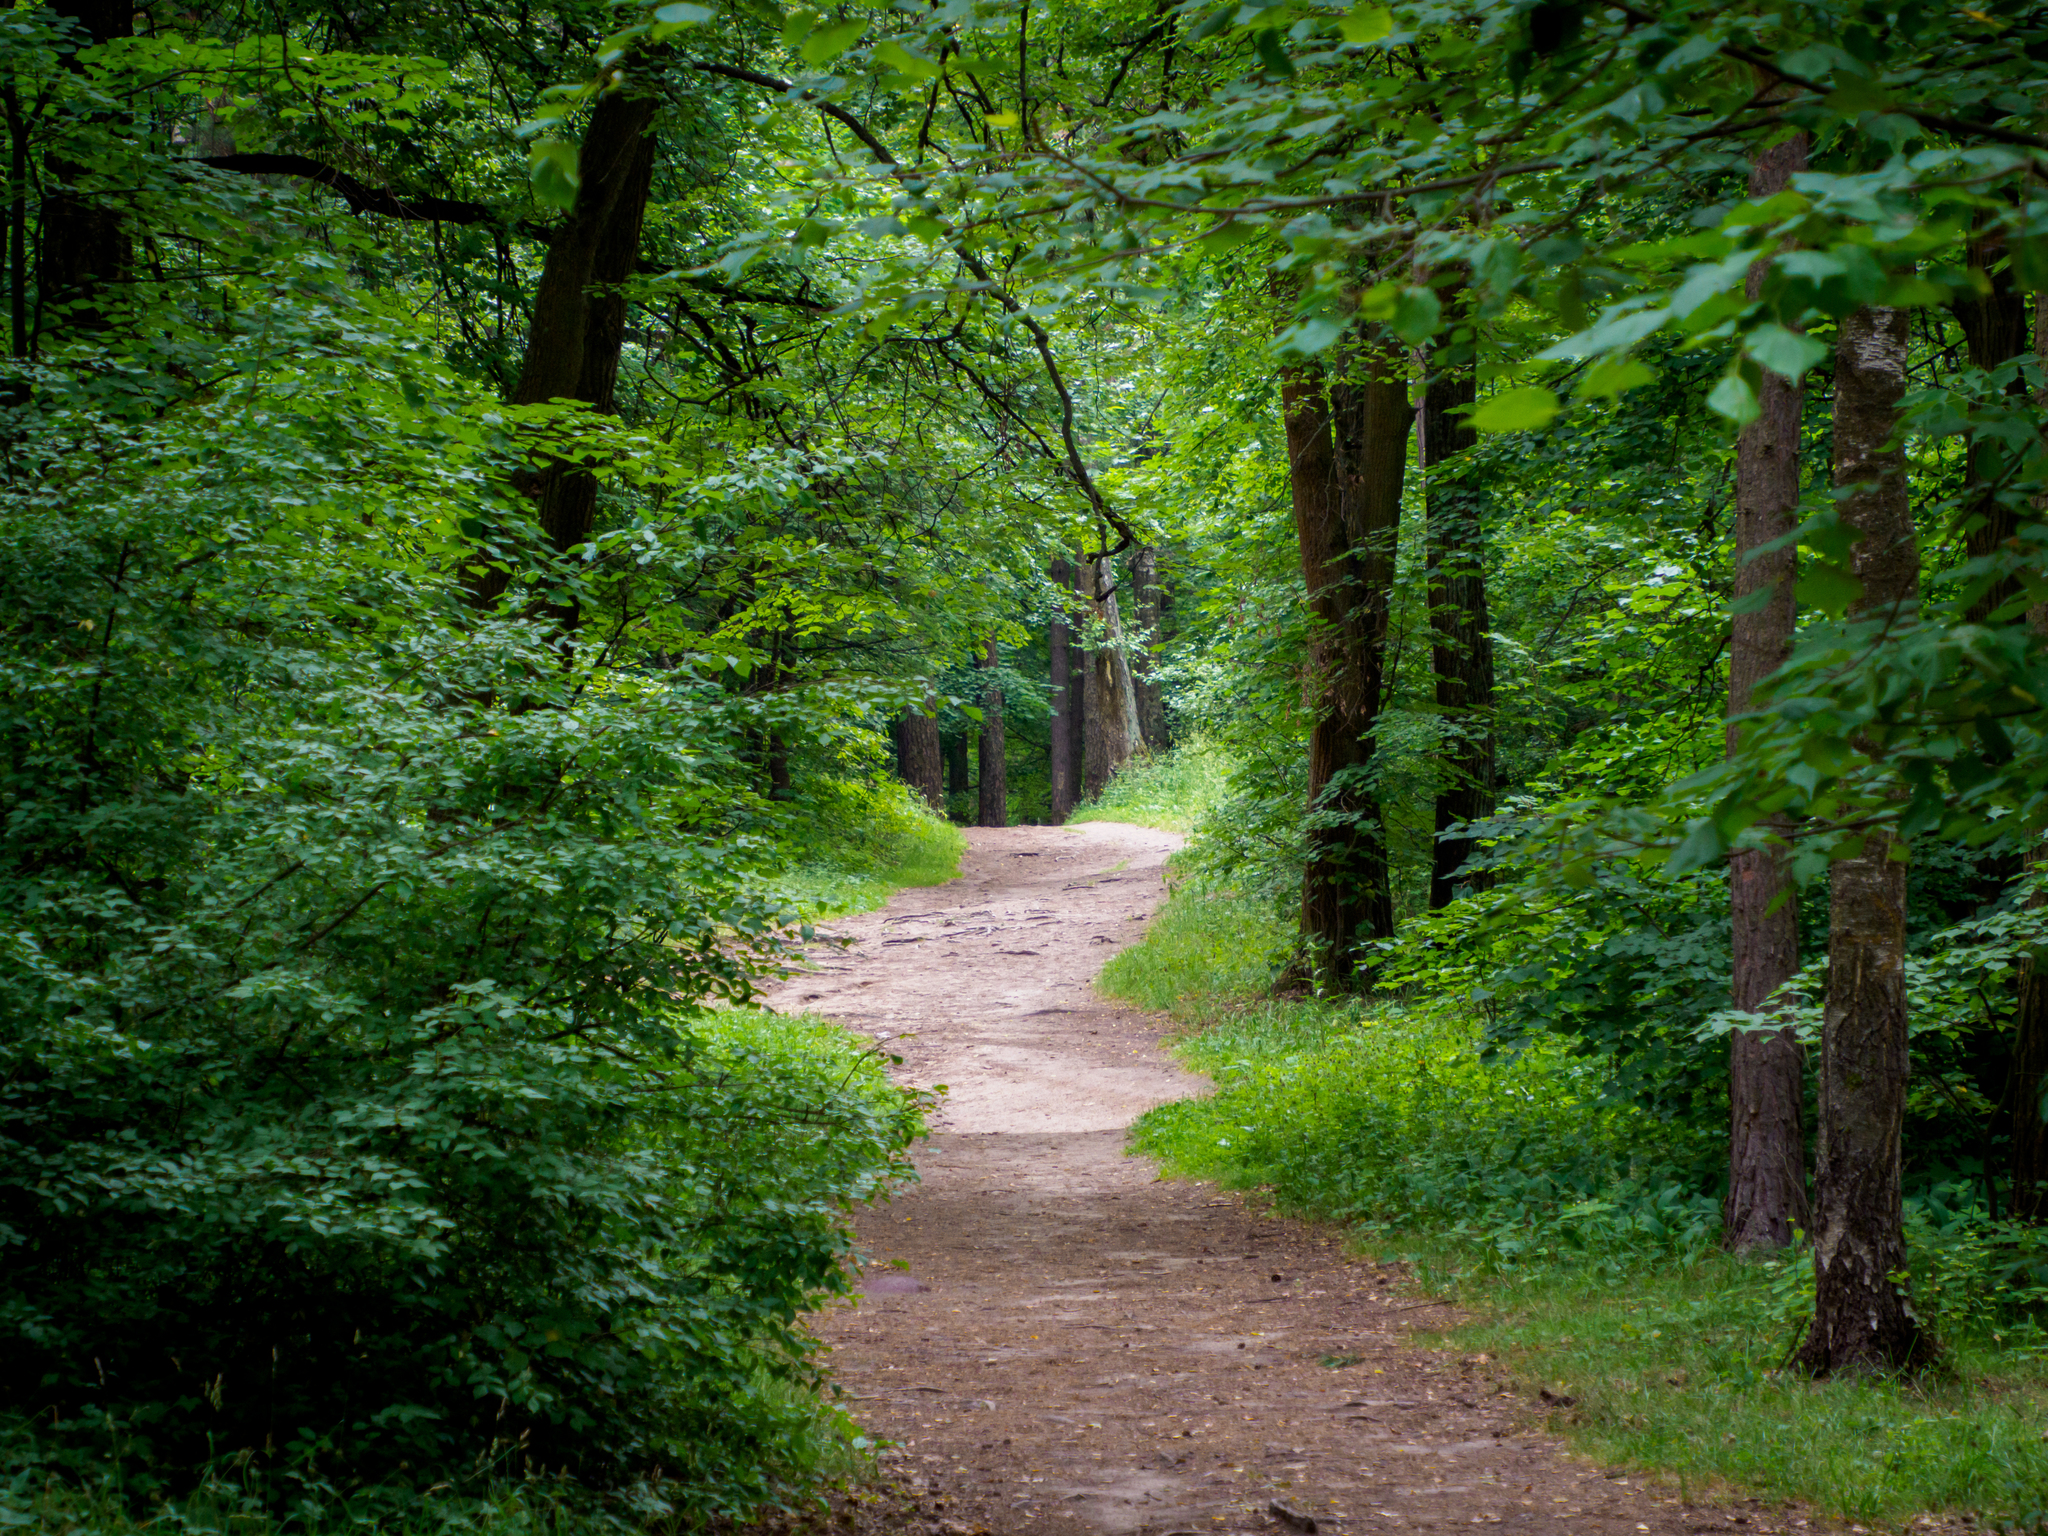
(1076, 1347)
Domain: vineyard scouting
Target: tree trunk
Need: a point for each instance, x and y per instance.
(578, 322)
(1112, 733)
(995, 794)
(1061, 680)
(2026, 1093)
(917, 756)
(1860, 1321)
(83, 245)
(1994, 331)
(1151, 697)
(1766, 1067)
(958, 776)
(1462, 652)
(1347, 458)
(1082, 668)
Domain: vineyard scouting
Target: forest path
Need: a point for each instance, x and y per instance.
(1077, 1347)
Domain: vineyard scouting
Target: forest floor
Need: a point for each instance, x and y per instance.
(1056, 1342)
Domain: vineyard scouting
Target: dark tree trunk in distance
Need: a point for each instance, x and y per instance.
(917, 756)
(995, 794)
(1111, 736)
(1860, 1320)
(959, 778)
(83, 244)
(1081, 668)
(1994, 331)
(2027, 1114)
(1145, 677)
(1462, 652)
(1347, 450)
(1766, 1067)
(1060, 679)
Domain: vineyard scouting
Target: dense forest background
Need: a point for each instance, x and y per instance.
(511, 516)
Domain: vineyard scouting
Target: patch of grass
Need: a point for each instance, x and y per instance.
(856, 845)
(1169, 791)
(1577, 1230)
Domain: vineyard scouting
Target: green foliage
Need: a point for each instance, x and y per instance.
(1172, 791)
(851, 843)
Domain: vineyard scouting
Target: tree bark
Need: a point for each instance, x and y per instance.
(1462, 652)
(1151, 697)
(1060, 680)
(959, 777)
(1112, 731)
(1860, 1321)
(1994, 329)
(995, 794)
(1082, 668)
(1347, 457)
(2026, 1093)
(917, 756)
(83, 245)
(1766, 1067)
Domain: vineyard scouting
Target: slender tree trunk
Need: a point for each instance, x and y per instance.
(917, 756)
(1347, 455)
(1994, 329)
(2026, 1093)
(1462, 652)
(995, 793)
(1112, 733)
(958, 775)
(1766, 1067)
(1860, 1320)
(1082, 668)
(83, 246)
(1061, 680)
(1151, 697)
(17, 221)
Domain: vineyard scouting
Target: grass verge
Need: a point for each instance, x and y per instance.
(855, 845)
(1169, 791)
(1574, 1231)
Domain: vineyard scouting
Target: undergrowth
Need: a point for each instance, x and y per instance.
(851, 845)
(1580, 1231)
(1168, 790)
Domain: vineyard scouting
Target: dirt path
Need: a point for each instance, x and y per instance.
(1076, 1347)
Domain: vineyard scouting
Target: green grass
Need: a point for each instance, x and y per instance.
(858, 844)
(1574, 1231)
(1169, 791)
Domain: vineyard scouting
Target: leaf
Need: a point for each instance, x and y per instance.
(1734, 399)
(1605, 380)
(1526, 408)
(1787, 353)
(1272, 55)
(1229, 236)
(1703, 845)
(1366, 23)
(1416, 314)
(1001, 119)
(827, 43)
(1306, 338)
(552, 168)
(683, 14)
(902, 60)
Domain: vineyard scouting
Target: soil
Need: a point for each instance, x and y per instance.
(1052, 1340)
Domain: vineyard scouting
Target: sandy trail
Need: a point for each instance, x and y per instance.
(1076, 1347)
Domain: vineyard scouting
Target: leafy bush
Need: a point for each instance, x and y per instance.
(1171, 791)
(361, 1133)
(851, 842)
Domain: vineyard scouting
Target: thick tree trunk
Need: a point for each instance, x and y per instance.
(83, 244)
(1462, 652)
(1151, 697)
(917, 756)
(1766, 1067)
(995, 793)
(1860, 1320)
(1112, 731)
(1347, 455)
(1060, 680)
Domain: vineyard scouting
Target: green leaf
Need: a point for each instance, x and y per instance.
(1526, 408)
(1229, 236)
(1306, 338)
(827, 43)
(683, 14)
(1416, 314)
(1703, 845)
(903, 61)
(1366, 23)
(552, 168)
(1001, 119)
(1734, 399)
(1605, 380)
(1787, 353)
(1272, 55)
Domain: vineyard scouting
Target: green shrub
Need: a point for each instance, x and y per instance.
(851, 842)
(1170, 790)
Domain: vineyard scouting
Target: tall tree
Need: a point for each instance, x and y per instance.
(1061, 683)
(1860, 1318)
(1347, 443)
(1766, 1067)
(1112, 735)
(918, 761)
(995, 794)
(2026, 1088)
(1461, 630)
(1151, 697)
